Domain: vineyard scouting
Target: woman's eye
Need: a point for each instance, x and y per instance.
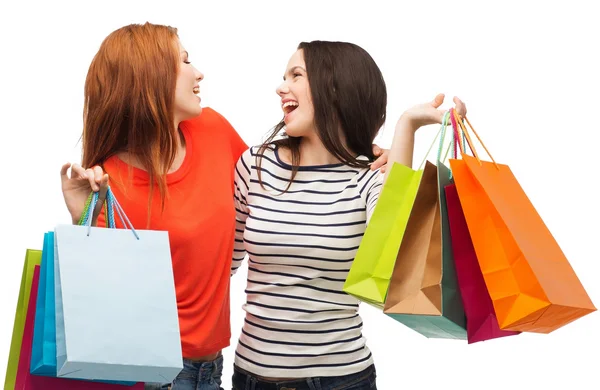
(187, 62)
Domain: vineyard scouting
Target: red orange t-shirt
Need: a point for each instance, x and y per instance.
(199, 215)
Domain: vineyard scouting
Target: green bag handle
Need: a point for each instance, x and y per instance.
(442, 136)
(86, 212)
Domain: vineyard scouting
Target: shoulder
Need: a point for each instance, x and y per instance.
(212, 131)
(368, 179)
(252, 152)
(256, 155)
(370, 176)
(213, 126)
(114, 165)
(262, 154)
(208, 119)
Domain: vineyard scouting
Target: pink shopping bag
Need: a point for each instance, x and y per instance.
(482, 323)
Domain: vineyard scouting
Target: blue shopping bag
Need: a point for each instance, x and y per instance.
(115, 302)
(43, 353)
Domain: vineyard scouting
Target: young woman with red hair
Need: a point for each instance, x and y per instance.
(171, 166)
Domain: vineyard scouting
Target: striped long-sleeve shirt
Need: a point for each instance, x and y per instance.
(300, 245)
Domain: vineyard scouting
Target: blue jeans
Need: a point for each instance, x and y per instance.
(194, 376)
(364, 380)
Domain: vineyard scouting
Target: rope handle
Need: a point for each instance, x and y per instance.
(86, 213)
(111, 204)
(465, 133)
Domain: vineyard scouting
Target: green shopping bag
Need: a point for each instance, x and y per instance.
(424, 293)
(33, 257)
(369, 277)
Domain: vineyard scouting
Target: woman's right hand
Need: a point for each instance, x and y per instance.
(76, 189)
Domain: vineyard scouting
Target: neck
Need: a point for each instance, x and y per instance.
(179, 139)
(313, 152)
(181, 150)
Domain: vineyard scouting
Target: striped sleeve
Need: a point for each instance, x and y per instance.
(241, 183)
(372, 186)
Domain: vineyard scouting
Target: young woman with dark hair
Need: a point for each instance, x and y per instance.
(303, 203)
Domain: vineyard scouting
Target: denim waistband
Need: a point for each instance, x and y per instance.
(245, 380)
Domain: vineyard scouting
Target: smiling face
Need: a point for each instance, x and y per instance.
(187, 89)
(296, 100)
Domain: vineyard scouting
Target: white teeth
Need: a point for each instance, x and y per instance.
(290, 103)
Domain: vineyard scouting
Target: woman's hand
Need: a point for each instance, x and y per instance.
(77, 187)
(429, 113)
(382, 158)
(410, 121)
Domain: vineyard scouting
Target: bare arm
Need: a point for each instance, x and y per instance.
(410, 121)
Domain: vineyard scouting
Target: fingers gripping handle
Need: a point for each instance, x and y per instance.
(110, 206)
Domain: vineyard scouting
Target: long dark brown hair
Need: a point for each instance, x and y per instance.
(129, 100)
(349, 98)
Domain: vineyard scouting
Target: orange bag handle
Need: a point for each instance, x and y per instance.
(469, 141)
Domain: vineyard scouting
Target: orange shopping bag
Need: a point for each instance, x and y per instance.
(532, 285)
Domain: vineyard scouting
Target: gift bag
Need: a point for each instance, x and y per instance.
(116, 309)
(482, 323)
(26, 381)
(25, 353)
(32, 258)
(530, 281)
(43, 354)
(370, 273)
(423, 293)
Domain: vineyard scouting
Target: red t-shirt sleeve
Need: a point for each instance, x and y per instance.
(238, 146)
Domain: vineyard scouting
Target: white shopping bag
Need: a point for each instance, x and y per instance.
(116, 309)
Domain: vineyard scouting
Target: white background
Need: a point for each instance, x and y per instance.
(528, 71)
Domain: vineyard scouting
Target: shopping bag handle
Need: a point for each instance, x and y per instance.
(86, 213)
(458, 121)
(446, 119)
(441, 134)
(112, 204)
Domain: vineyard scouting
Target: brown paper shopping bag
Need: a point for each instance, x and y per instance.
(424, 293)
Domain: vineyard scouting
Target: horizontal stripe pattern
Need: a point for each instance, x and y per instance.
(300, 245)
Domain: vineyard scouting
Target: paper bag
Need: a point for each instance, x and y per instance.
(482, 323)
(371, 270)
(531, 282)
(116, 309)
(423, 293)
(32, 258)
(27, 381)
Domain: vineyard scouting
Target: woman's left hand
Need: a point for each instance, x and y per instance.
(382, 158)
(429, 113)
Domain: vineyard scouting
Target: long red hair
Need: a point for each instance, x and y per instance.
(129, 98)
